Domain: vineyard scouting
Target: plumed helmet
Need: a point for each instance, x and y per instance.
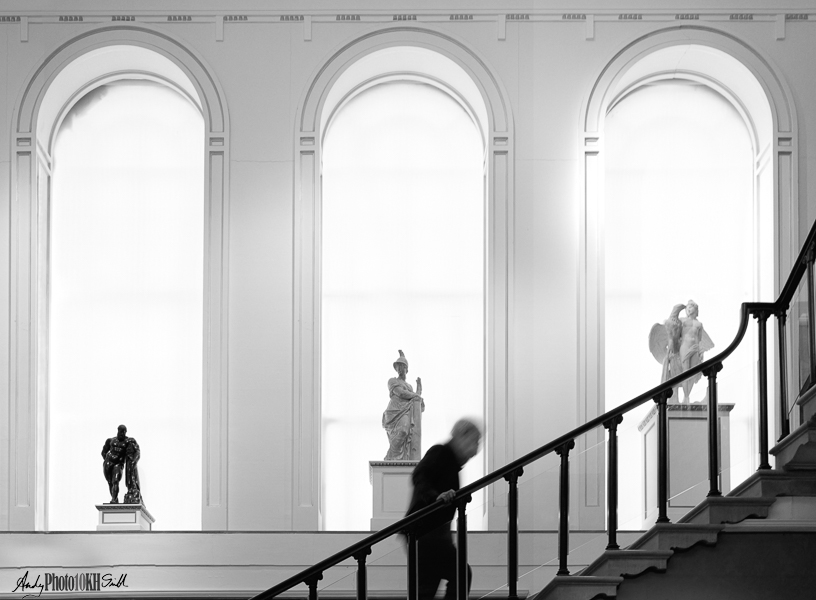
(401, 359)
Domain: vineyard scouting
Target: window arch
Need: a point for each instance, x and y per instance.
(88, 61)
(682, 222)
(403, 173)
(126, 298)
(443, 62)
(720, 67)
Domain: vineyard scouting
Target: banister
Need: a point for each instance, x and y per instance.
(747, 309)
(661, 391)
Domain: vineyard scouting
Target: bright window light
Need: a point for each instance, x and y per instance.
(403, 269)
(680, 222)
(126, 301)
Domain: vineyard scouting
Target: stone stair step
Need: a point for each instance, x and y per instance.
(677, 536)
(627, 562)
(772, 483)
(796, 509)
(728, 509)
(797, 452)
(577, 587)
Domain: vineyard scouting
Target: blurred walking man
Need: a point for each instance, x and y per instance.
(436, 477)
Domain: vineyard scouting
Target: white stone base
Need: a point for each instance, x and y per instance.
(391, 488)
(688, 458)
(124, 517)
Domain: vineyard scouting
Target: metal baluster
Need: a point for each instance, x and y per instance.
(713, 432)
(462, 583)
(312, 583)
(784, 421)
(612, 483)
(362, 581)
(413, 571)
(512, 533)
(762, 319)
(563, 508)
(811, 255)
(662, 457)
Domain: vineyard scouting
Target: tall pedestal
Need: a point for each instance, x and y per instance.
(391, 488)
(124, 517)
(688, 458)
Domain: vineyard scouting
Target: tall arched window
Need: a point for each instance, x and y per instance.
(682, 222)
(126, 300)
(403, 226)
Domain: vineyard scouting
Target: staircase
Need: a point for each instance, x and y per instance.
(759, 541)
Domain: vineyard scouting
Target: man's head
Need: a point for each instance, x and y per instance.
(465, 438)
(121, 433)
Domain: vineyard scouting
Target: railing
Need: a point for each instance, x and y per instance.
(761, 311)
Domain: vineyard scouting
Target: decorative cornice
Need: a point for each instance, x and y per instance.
(588, 17)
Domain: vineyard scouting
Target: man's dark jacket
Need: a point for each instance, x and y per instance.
(437, 472)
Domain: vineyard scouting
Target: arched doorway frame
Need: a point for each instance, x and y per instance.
(780, 152)
(31, 141)
(306, 411)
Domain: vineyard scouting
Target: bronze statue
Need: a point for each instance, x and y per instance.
(402, 419)
(122, 452)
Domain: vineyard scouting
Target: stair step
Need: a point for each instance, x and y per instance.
(627, 562)
(797, 452)
(772, 483)
(727, 509)
(578, 587)
(677, 536)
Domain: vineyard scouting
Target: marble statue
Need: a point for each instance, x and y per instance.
(122, 452)
(402, 419)
(679, 344)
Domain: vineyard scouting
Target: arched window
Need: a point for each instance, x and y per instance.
(126, 300)
(688, 215)
(403, 225)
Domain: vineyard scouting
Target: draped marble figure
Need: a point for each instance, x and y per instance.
(679, 344)
(402, 419)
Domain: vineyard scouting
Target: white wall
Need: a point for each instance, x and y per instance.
(547, 68)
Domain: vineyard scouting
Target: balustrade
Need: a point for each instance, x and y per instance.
(512, 472)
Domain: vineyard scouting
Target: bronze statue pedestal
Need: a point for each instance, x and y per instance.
(124, 517)
(688, 458)
(391, 487)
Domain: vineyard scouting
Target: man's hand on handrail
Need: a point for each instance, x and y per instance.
(446, 497)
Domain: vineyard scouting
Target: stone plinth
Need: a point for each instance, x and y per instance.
(391, 488)
(688, 458)
(124, 517)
